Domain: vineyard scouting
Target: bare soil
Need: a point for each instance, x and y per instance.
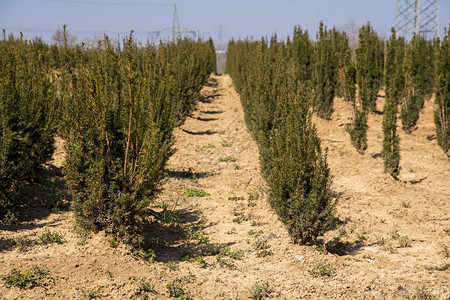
(392, 237)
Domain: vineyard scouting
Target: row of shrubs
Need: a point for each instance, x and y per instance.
(276, 99)
(116, 105)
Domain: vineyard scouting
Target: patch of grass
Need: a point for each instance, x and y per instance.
(177, 287)
(26, 280)
(193, 192)
(229, 158)
(255, 233)
(404, 241)
(262, 246)
(238, 254)
(49, 237)
(169, 214)
(262, 289)
(22, 242)
(236, 167)
(140, 249)
(322, 269)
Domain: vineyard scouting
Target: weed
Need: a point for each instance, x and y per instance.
(141, 250)
(240, 216)
(222, 132)
(230, 158)
(195, 193)
(89, 294)
(176, 287)
(226, 144)
(423, 294)
(10, 218)
(445, 251)
(209, 146)
(447, 230)
(320, 247)
(203, 262)
(404, 241)
(49, 237)
(406, 204)
(262, 289)
(22, 242)
(83, 233)
(342, 231)
(169, 214)
(236, 166)
(251, 203)
(225, 263)
(394, 234)
(193, 234)
(322, 269)
(113, 243)
(238, 254)
(262, 246)
(253, 195)
(444, 267)
(143, 287)
(232, 231)
(255, 233)
(235, 198)
(27, 280)
(172, 266)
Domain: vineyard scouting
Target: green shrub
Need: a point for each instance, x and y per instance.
(442, 113)
(26, 280)
(28, 114)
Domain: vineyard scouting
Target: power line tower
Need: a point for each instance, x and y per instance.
(417, 17)
(175, 30)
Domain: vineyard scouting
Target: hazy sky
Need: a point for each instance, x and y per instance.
(237, 18)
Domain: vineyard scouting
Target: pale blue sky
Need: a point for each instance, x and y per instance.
(90, 18)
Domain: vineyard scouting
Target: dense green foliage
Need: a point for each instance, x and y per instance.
(273, 85)
(27, 115)
(394, 83)
(120, 108)
(442, 113)
(369, 66)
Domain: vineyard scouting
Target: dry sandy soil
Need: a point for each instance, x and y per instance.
(392, 236)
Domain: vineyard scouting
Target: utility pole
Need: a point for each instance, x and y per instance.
(175, 30)
(417, 17)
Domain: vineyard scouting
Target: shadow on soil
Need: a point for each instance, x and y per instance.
(38, 200)
(336, 246)
(212, 112)
(206, 132)
(207, 119)
(189, 174)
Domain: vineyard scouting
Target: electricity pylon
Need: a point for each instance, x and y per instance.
(175, 30)
(417, 17)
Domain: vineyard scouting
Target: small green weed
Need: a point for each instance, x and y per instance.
(232, 231)
(193, 234)
(253, 196)
(230, 158)
(262, 246)
(113, 243)
(423, 294)
(226, 144)
(89, 293)
(143, 288)
(172, 266)
(251, 203)
(255, 233)
(235, 198)
(225, 263)
(49, 237)
(262, 289)
(22, 242)
(236, 166)
(209, 146)
(342, 231)
(27, 280)
(320, 247)
(195, 193)
(406, 204)
(140, 249)
(445, 251)
(169, 214)
(322, 269)
(240, 216)
(203, 262)
(176, 287)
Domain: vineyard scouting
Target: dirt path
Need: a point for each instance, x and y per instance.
(217, 155)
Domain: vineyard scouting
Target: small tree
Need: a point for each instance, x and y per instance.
(442, 113)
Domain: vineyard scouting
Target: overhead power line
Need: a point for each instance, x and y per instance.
(109, 3)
